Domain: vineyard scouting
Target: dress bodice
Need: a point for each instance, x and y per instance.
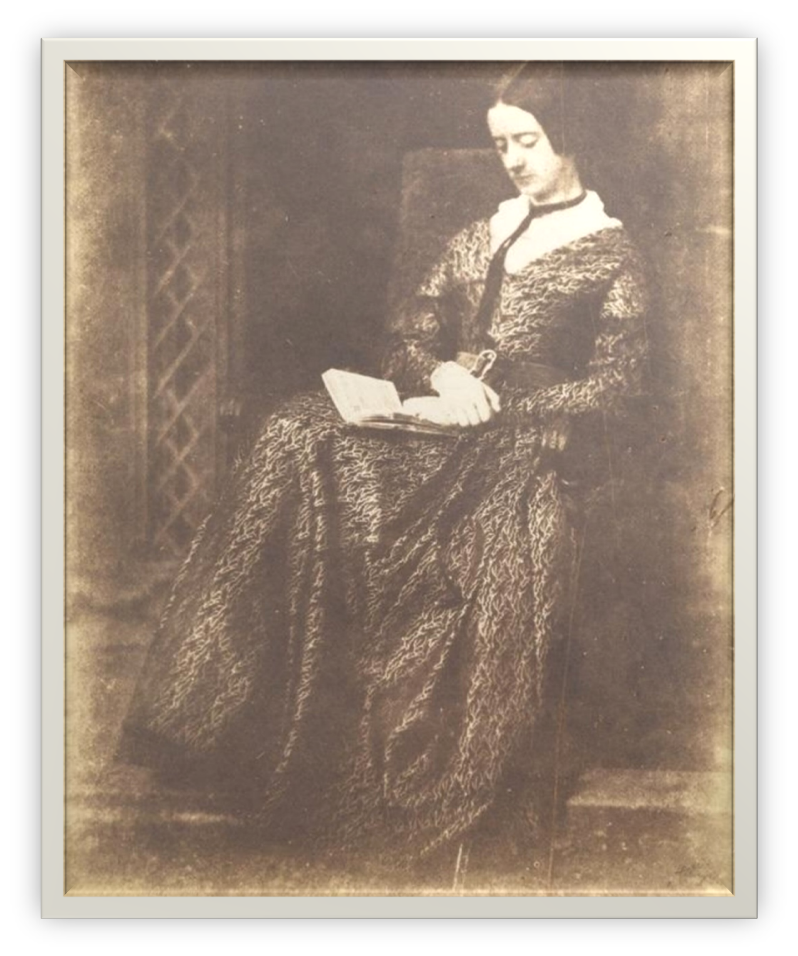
(548, 311)
(579, 307)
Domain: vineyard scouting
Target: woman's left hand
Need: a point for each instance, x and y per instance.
(467, 400)
(430, 408)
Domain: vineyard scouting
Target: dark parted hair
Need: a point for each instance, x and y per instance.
(568, 98)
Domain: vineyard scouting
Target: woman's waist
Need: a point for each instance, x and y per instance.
(514, 371)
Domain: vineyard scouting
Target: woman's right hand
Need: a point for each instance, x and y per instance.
(468, 401)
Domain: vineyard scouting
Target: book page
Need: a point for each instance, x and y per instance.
(356, 396)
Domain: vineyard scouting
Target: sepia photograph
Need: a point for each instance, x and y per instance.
(399, 499)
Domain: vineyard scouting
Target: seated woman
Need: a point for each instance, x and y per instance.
(357, 643)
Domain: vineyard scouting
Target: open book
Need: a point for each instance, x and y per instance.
(374, 403)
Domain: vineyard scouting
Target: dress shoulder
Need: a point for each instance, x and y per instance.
(465, 256)
(606, 252)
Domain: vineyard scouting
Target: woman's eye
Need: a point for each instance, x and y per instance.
(528, 141)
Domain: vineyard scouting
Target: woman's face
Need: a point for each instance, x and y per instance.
(528, 156)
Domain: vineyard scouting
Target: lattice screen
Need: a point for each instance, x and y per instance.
(184, 234)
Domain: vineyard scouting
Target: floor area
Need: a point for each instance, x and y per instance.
(625, 830)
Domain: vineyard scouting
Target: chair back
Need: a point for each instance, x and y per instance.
(443, 190)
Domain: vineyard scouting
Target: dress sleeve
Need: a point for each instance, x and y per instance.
(615, 371)
(422, 331)
(415, 334)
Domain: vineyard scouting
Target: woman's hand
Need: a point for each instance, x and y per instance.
(465, 400)
(429, 408)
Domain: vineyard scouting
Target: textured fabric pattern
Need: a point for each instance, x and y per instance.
(357, 642)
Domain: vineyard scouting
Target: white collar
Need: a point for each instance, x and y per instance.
(549, 231)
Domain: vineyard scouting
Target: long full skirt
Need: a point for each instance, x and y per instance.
(356, 644)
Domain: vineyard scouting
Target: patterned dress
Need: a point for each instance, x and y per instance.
(356, 645)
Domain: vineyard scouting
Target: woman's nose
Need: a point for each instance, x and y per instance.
(514, 159)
